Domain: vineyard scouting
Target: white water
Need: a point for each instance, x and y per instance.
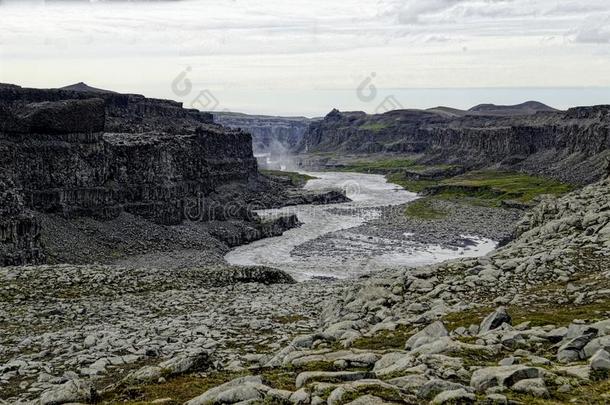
(348, 253)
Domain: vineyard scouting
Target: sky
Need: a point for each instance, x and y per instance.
(305, 57)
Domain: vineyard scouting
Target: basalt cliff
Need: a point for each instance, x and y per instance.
(572, 145)
(83, 153)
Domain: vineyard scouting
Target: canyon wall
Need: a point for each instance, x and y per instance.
(572, 146)
(269, 134)
(85, 154)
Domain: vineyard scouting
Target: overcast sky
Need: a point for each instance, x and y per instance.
(307, 56)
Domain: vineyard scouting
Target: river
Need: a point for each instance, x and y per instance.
(346, 253)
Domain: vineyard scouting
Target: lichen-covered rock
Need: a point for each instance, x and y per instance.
(459, 396)
(71, 391)
(502, 376)
(427, 335)
(495, 320)
(241, 389)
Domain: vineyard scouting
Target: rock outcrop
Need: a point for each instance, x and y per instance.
(96, 154)
(19, 229)
(568, 145)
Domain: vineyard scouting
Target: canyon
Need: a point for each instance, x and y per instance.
(146, 257)
(572, 146)
(81, 152)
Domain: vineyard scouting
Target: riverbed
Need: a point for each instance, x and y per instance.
(347, 253)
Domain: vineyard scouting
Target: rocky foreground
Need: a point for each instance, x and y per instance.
(529, 323)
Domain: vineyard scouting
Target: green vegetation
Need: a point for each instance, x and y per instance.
(415, 186)
(559, 315)
(387, 394)
(588, 393)
(381, 166)
(423, 209)
(374, 126)
(384, 340)
(497, 186)
(297, 179)
(179, 389)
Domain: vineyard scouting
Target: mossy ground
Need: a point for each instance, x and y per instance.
(385, 340)
(424, 209)
(498, 186)
(374, 126)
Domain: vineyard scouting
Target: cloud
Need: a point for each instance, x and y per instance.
(595, 31)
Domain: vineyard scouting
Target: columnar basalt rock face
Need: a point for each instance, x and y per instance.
(571, 145)
(100, 154)
(19, 229)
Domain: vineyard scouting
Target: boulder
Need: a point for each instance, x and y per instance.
(595, 345)
(198, 360)
(71, 391)
(300, 397)
(600, 361)
(436, 386)
(427, 335)
(532, 386)
(572, 349)
(308, 376)
(502, 376)
(459, 396)
(495, 320)
(240, 389)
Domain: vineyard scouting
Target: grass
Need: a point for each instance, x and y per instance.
(423, 209)
(384, 340)
(381, 166)
(179, 389)
(558, 315)
(297, 179)
(374, 126)
(415, 186)
(590, 393)
(497, 186)
(387, 394)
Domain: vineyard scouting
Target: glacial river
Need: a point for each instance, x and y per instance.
(344, 252)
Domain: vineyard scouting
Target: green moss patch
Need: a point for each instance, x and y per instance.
(424, 209)
(497, 186)
(384, 340)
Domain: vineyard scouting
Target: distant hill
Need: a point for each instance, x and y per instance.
(527, 108)
(448, 111)
(83, 87)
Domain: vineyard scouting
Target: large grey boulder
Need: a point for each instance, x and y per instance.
(572, 349)
(308, 376)
(198, 360)
(71, 391)
(532, 386)
(435, 386)
(595, 345)
(459, 396)
(495, 320)
(600, 361)
(238, 390)
(427, 335)
(502, 376)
